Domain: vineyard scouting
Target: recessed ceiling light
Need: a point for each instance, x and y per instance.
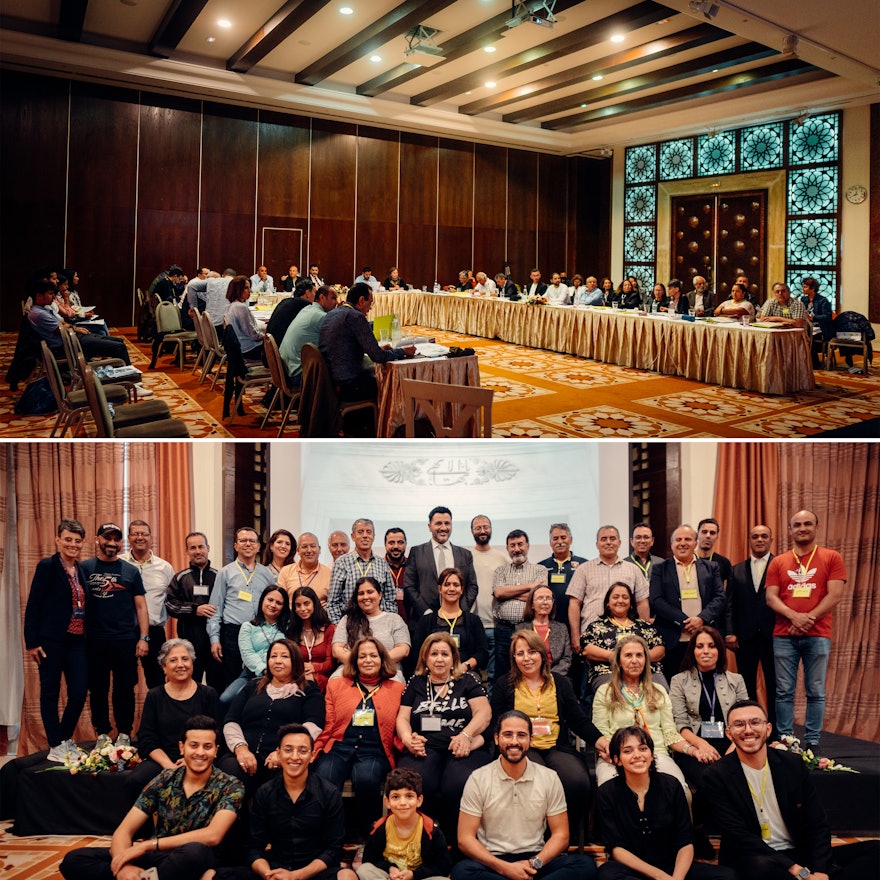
(617, 38)
(345, 10)
(489, 49)
(375, 58)
(224, 23)
(715, 70)
(597, 77)
(583, 106)
(490, 84)
(212, 39)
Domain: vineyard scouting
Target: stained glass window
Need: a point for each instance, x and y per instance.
(827, 282)
(638, 244)
(816, 139)
(639, 204)
(640, 163)
(812, 242)
(677, 159)
(812, 191)
(761, 147)
(716, 153)
(643, 274)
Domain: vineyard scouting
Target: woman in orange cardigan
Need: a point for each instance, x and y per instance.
(358, 739)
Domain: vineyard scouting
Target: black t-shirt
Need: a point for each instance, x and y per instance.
(110, 591)
(453, 710)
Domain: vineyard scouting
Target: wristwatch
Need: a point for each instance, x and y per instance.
(144, 638)
(536, 863)
(804, 873)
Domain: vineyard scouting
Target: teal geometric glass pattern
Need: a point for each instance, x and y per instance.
(641, 163)
(676, 159)
(643, 274)
(812, 242)
(827, 279)
(760, 147)
(812, 191)
(815, 140)
(716, 153)
(639, 204)
(638, 244)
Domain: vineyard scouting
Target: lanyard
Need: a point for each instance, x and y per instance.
(450, 623)
(247, 580)
(710, 701)
(759, 803)
(311, 577)
(366, 696)
(306, 643)
(561, 565)
(803, 569)
(273, 631)
(78, 592)
(644, 568)
(687, 571)
(364, 571)
(545, 638)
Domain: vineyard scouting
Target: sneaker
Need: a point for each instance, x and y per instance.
(58, 754)
(143, 391)
(123, 741)
(102, 741)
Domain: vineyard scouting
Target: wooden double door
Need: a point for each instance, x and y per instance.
(720, 236)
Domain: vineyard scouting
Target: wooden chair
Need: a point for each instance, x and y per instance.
(283, 390)
(460, 407)
(151, 418)
(320, 411)
(170, 332)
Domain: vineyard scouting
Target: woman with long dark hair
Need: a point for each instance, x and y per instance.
(311, 629)
(280, 550)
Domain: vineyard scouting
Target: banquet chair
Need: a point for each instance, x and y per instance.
(857, 340)
(462, 409)
(150, 418)
(203, 349)
(320, 410)
(216, 354)
(282, 389)
(239, 375)
(76, 360)
(169, 331)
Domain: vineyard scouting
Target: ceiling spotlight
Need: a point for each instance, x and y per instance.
(345, 10)
(789, 44)
(212, 39)
(375, 58)
(489, 49)
(597, 76)
(420, 46)
(224, 23)
(583, 106)
(490, 84)
(606, 152)
(708, 9)
(617, 38)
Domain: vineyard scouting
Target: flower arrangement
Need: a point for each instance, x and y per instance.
(341, 290)
(534, 300)
(111, 758)
(791, 744)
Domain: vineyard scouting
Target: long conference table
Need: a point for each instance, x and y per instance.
(770, 361)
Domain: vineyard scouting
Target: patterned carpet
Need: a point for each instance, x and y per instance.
(544, 394)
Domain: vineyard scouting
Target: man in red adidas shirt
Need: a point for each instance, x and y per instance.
(803, 586)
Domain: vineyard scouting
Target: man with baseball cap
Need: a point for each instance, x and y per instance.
(117, 634)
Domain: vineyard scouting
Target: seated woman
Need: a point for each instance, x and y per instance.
(280, 550)
(365, 617)
(269, 625)
(311, 629)
(628, 296)
(465, 628)
(632, 694)
(549, 700)
(658, 301)
(239, 317)
(645, 822)
(167, 708)
(737, 306)
(443, 713)
(609, 294)
(601, 636)
(538, 617)
(281, 696)
(358, 739)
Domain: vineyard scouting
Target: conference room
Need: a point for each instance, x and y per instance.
(635, 142)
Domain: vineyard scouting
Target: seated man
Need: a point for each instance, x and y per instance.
(297, 820)
(591, 295)
(262, 281)
(700, 299)
(506, 287)
(345, 337)
(305, 328)
(772, 823)
(170, 284)
(557, 292)
(505, 810)
(782, 309)
(485, 286)
(193, 806)
(367, 277)
(287, 310)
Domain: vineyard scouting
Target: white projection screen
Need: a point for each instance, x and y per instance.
(321, 486)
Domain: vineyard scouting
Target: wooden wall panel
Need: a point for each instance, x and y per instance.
(102, 196)
(455, 209)
(522, 201)
(334, 164)
(552, 214)
(490, 208)
(378, 160)
(168, 187)
(283, 184)
(229, 175)
(593, 217)
(33, 144)
(418, 209)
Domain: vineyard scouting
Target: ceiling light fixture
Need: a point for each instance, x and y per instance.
(490, 84)
(375, 58)
(345, 10)
(212, 39)
(224, 23)
(597, 76)
(705, 7)
(617, 38)
(538, 12)
(420, 46)
(489, 49)
(790, 44)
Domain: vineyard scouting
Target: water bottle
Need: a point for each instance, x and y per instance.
(395, 331)
(436, 287)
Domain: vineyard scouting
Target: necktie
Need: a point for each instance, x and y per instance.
(443, 560)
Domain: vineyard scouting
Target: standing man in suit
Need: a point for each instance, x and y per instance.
(427, 560)
(773, 825)
(750, 621)
(686, 593)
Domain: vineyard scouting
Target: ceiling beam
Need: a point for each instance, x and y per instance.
(692, 38)
(173, 28)
(750, 79)
(71, 18)
(641, 15)
(695, 67)
(288, 19)
(392, 24)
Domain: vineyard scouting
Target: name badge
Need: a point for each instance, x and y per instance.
(802, 591)
(541, 726)
(765, 831)
(245, 596)
(201, 591)
(430, 724)
(712, 729)
(457, 638)
(363, 717)
(690, 593)
(558, 578)
(79, 613)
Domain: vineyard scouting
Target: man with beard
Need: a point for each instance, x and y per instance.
(186, 601)
(642, 542)
(708, 531)
(395, 556)
(118, 633)
(505, 810)
(193, 807)
(307, 571)
(486, 559)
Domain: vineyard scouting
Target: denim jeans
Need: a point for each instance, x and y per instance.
(788, 652)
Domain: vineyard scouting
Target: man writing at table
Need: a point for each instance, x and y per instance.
(345, 337)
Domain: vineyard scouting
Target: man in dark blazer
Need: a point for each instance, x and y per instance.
(750, 621)
(686, 593)
(757, 839)
(534, 286)
(426, 561)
